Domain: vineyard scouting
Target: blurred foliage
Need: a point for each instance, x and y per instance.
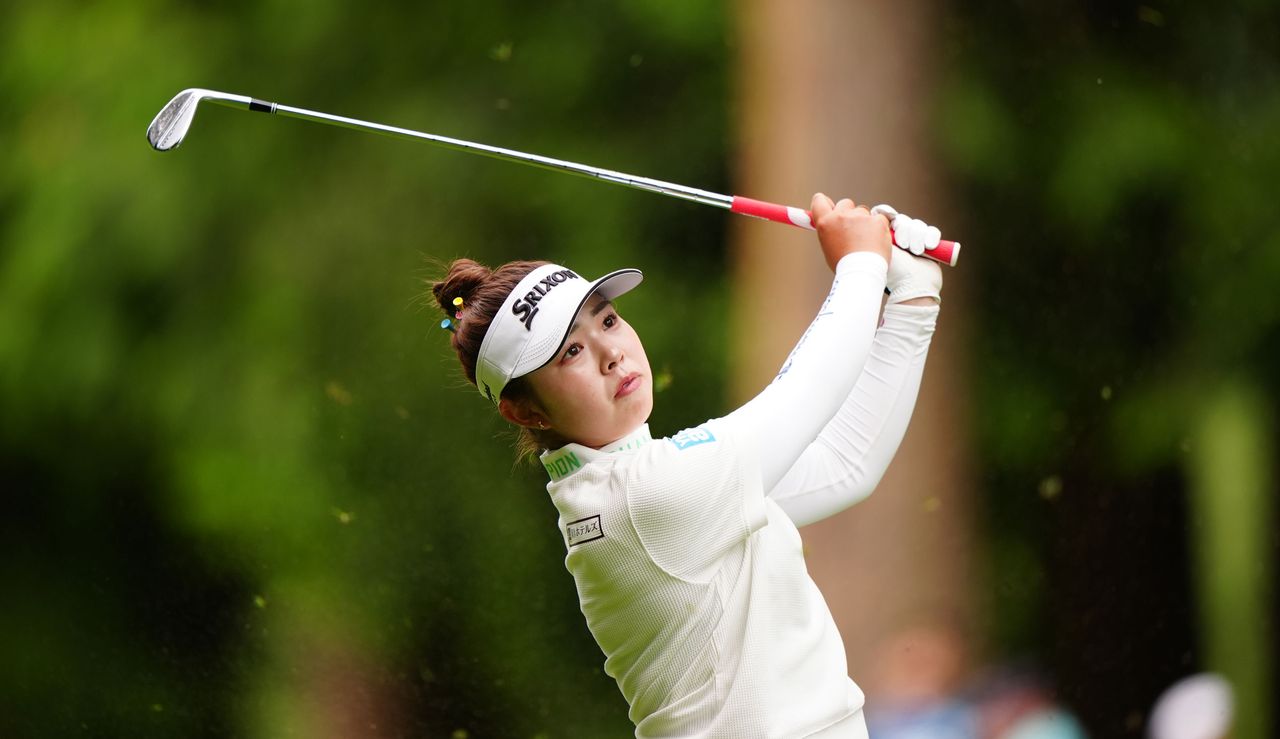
(248, 492)
(1116, 164)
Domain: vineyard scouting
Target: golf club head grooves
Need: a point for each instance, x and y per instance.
(159, 133)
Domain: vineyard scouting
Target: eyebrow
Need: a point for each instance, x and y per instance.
(594, 312)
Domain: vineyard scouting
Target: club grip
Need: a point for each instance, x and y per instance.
(947, 252)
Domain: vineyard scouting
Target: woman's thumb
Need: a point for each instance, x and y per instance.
(821, 205)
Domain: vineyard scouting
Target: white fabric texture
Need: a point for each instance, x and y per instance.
(850, 455)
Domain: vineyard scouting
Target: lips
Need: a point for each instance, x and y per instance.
(629, 385)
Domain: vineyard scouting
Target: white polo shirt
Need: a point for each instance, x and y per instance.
(695, 587)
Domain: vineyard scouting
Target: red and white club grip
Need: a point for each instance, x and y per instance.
(947, 252)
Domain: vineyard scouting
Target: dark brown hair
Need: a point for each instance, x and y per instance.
(483, 291)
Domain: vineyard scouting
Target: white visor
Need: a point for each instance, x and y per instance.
(534, 320)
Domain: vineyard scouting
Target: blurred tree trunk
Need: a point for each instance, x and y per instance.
(835, 96)
(324, 683)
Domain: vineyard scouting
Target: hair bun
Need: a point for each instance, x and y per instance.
(465, 277)
(483, 292)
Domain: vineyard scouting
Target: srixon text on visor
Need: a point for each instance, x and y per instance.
(527, 307)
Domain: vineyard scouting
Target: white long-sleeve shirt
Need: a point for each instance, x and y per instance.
(845, 463)
(685, 553)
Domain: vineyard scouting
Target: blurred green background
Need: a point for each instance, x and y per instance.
(247, 492)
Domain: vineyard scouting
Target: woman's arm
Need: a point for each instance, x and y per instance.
(779, 424)
(851, 454)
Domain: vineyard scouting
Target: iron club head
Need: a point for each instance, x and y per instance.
(170, 126)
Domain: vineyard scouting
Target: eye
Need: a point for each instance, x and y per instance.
(610, 320)
(572, 351)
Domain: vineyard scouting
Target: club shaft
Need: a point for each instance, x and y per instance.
(672, 189)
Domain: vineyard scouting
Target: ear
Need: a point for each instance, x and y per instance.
(522, 412)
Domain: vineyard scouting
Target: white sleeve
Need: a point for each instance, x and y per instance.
(776, 426)
(852, 453)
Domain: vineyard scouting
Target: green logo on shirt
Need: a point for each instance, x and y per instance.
(561, 465)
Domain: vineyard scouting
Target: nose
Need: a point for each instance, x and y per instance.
(610, 357)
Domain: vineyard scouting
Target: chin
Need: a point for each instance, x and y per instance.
(643, 407)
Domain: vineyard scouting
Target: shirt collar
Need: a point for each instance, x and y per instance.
(562, 462)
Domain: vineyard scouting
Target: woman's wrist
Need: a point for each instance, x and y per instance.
(869, 262)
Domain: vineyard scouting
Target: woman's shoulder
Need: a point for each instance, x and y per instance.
(679, 459)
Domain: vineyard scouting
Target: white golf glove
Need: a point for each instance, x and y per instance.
(909, 233)
(911, 276)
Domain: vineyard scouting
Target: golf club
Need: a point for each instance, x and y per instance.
(169, 128)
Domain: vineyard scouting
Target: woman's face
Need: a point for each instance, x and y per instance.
(599, 387)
